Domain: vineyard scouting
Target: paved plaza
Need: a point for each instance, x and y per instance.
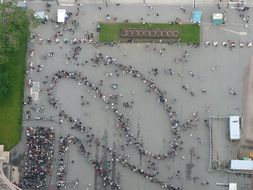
(222, 150)
(195, 81)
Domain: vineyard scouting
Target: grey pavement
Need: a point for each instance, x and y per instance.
(146, 115)
(161, 2)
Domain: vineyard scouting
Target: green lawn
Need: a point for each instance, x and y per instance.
(189, 33)
(14, 33)
(11, 110)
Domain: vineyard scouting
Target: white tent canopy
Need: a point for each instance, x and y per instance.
(234, 127)
(61, 13)
(232, 186)
(241, 165)
(217, 16)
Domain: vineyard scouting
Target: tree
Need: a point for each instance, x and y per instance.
(5, 85)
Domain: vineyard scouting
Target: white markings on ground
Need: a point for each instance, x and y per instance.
(67, 5)
(232, 31)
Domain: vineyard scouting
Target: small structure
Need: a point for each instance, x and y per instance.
(232, 186)
(196, 16)
(4, 155)
(246, 165)
(40, 15)
(22, 4)
(34, 91)
(218, 19)
(234, 128)
(4, 158)
(61, 15)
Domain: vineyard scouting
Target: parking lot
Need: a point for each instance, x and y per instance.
(196, 81)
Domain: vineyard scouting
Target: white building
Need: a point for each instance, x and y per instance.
(232, 186)
(61, 14)
(246, 165)
(234, 128)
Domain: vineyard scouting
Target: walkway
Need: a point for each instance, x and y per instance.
(6, 180)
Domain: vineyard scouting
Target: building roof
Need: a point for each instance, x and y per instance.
(232, 186)
(241, 165)
(234, 127)
(61, 13)
(4, 155)
(217, 16)
(4, 158)
(196, 16)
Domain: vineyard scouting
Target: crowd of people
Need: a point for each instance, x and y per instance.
(243, 14)
(122, 123)
(40, 139)
(38, 156)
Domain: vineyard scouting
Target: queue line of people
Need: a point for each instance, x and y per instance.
(76, 123)
(103, 172)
